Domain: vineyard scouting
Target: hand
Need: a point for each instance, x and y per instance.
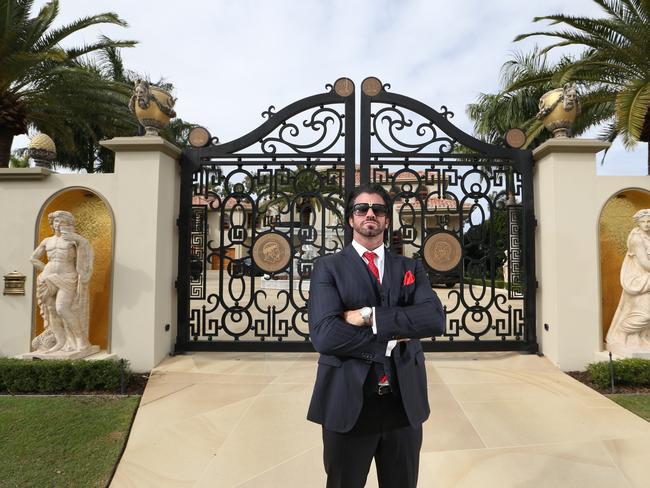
(353, 317)
(70, 237)
(68, 233)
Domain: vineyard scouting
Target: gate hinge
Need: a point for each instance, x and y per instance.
(534, 222)
(178, 222)
(176, 283)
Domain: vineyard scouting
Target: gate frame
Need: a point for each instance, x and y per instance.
(191, 160)
(522, 161)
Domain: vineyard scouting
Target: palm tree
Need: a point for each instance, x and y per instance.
(494, 114)
(300, 191)
(615, 66)
(19, 160)
(86, 152)
(177, 132)
(43, 85)
(524, 79)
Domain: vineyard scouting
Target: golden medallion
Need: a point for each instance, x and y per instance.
(371, 86)
(515, 138)
(199, 137)
(344, 87)
(442, 251)
(271, 252)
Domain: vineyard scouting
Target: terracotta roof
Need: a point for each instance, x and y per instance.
(432, 202)
(402, 177)
(435, 203)
(201, 200)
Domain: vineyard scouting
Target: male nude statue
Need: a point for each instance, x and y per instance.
(62, 286)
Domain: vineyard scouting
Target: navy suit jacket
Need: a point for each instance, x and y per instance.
(341, 282)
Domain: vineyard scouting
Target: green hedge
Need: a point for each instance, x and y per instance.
(56, 376)
(627, 372)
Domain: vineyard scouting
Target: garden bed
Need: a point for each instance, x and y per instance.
(583, 377)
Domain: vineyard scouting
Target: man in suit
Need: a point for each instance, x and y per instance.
(368, 308)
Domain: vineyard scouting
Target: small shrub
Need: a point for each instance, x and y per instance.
(54, 376)
(627, 372)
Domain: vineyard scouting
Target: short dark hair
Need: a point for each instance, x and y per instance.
(373, 189)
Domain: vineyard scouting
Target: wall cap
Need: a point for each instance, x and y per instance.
(569, 145)
(142, 144)
(24, 173)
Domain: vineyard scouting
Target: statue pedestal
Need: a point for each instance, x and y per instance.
(101, 355)
(622, 353)
(61, 354)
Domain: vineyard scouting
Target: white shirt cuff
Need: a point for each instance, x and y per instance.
(391, 344)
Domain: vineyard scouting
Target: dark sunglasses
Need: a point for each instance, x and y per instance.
(360, 209)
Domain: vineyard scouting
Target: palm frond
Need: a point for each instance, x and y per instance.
(631, 108)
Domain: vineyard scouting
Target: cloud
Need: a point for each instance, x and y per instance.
(230, 59)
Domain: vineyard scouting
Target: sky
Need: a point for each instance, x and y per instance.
(230, 59)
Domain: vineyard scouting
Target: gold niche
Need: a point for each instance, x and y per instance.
(94, 221)
(614, 226)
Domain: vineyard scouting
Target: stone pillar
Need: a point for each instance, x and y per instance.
(145, 264)
(567, 207)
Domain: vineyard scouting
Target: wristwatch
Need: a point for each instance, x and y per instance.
(366, 314)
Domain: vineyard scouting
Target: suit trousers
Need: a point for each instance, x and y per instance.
(383, 432)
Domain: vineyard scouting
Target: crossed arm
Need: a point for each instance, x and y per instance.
(331, 334)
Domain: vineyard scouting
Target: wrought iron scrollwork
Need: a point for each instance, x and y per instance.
(389, 128)
(326, 125)
(455, 200)
(239, 300)
(468, 201)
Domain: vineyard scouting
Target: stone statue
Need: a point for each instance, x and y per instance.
(630, 328)
(62, 289)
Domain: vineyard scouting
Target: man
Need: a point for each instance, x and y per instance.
(368, 308)
(62, 286)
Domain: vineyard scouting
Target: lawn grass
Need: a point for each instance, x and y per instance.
(62, 441)
(638, 404)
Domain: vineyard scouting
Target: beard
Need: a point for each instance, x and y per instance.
(366, 230)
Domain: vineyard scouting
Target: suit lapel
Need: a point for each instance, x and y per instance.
(359, 268)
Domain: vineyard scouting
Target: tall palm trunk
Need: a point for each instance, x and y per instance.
(6, 138)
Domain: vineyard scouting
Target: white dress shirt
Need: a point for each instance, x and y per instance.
(379, 262)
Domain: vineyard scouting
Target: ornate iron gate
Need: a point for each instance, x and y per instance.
(256, 212)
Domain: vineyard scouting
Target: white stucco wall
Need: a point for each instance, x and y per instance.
(21, 201)
(569, 197)
(143, 194)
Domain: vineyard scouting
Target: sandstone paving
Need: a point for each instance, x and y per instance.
(497, 419)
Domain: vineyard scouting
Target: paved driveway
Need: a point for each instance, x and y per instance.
(497, 420)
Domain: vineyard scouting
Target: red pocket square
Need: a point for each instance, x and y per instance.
(409, 279)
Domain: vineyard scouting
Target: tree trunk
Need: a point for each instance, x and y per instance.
(648, 157)
(6, 138)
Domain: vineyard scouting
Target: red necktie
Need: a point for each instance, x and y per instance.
(370, 256)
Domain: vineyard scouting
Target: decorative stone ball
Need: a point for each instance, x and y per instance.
(42, 147)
